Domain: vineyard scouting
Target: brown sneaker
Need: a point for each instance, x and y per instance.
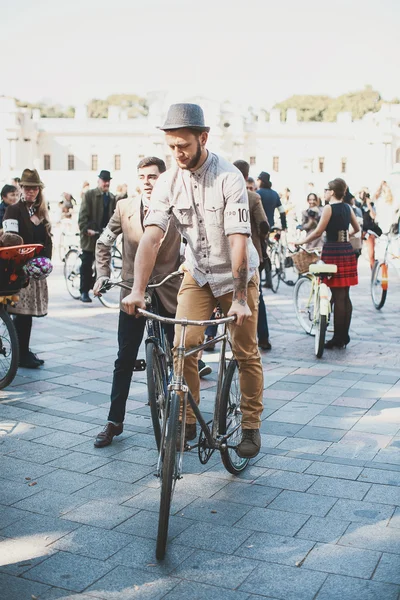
(190, 434)
(250, 445)
(105, 437)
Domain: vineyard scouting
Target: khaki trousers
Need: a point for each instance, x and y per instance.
(197, 303)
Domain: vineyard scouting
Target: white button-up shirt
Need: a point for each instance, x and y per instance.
(206, 206)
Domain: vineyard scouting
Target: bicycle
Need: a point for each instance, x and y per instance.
(281, 260)
(72, 270)
(312, 301)
(380, 273)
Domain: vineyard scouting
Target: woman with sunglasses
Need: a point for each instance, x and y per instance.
(335, 221)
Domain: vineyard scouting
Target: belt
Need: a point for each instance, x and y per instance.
(342, 235)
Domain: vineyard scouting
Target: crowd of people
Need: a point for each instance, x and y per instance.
(224, 217)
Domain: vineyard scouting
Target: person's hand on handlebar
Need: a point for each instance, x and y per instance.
(132, 302)
(99, 284)
(242, 312)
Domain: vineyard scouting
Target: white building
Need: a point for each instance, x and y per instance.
(69, 151)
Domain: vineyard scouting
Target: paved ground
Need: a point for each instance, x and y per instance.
(316, 516)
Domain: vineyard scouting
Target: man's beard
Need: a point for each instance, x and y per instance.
(195, 160)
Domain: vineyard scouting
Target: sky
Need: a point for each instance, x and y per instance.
(252, 52)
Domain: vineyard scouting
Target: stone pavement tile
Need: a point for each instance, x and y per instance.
(322, 391)
(73, 407)
(210, 510)
(272, 521)
(382, 378)
(333, 470)
(314, 398)
(252, 495)
(75, 572)
(354, 402)
(304, 445)
(355, 393)
(385, 494)
(338, 382)
(60, 439)
(307, 504)
(286, 583)
(323, 529)
(39, 527)
(320, 372)
(299, 378)
(119, 444)
(350, 588)
(48, 502)
(125, 583)
(279, 428)
(377, 424)
(39, 387)
(284, 463)
(12, 491)
(218, 471)
(351, 450)
(379, 387)
(19, 470)
(142, 456)
(67, 482)
(287, 480)
(9, 515)
(18, 589)
(289, 387)
(205, 487)
(361, 512)
(40, 418)
(278, 394)
(140, 554)
(73, 425)
(212, 568)
(100, 514)
(395, 519)
(388, 455)
(298, 413)
(110, 491)
(275, 548)
(92, 542)
(144, 524)
(149, 499)
(329, 486)
(323, 434)
(215, 538)
(21, 554)
(269, 441)
(37, 453)
(61, 594)
(201, 591)
(388, 569)
(79, 462)
(122, 471)
(341, 560)
(380, 476)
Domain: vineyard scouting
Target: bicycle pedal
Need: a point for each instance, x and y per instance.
(140, 365)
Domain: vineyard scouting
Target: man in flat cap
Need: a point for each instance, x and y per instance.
(207, 200)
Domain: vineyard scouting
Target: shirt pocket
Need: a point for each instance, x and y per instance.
(215, 216)
(184, 215)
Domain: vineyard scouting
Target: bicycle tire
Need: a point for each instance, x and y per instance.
(62, 246)
(168, 474)
(378, 293)
(9, 349)
(304, 313)
(156, 389)
(229, 417)
(72, 272)
(275, 270)
(111, 299)
(320, 336)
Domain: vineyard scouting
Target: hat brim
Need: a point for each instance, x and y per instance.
(174, 126)
(30, 184)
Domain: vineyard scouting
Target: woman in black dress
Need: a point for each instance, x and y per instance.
(335, 220)
(29, 218)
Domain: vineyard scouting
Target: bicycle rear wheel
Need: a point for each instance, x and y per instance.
(304, 304)
(275, 270)
(111, 298)
(9, 349)
(168, 473)
(230, 419)
(72, 272)
(156, 385)
(320, 336)
(379, 283)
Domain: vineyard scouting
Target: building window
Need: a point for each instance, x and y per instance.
(46, 162)
(344, 165)
(71, 162)
(321, 162)
(117, 162)
(253, 160)
(95, 162)
(398, 155)
(275, 164)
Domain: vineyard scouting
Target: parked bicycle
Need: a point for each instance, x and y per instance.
(282, 266)
(380, 272)
(312, 298)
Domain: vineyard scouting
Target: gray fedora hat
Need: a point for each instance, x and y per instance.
(184, 115)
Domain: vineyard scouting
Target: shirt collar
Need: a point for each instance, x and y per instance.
(201, 170)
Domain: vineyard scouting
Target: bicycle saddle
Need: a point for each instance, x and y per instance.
(322, 268)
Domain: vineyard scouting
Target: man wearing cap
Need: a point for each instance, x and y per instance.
(206, 198)
(96, 209)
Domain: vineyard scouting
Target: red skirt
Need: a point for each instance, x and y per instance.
(340, 254)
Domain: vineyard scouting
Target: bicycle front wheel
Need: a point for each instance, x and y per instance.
(379, 283)
(320, 336)
(230, 420)
(169, 473)
(72, 272)
(304, 304)
(156, 385)
(9, 349)
(111, 298)
(275, 270)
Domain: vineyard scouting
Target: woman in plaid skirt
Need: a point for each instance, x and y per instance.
(335, 221)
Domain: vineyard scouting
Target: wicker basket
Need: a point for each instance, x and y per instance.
(302, 260)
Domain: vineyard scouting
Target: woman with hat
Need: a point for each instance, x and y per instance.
(29, 218)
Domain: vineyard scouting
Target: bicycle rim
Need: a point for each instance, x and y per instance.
(320, 336)
(9, 349)
(378, 293)
(230, 419)
(304, 304)
(156, 386)
(275, 271)
(72, 273)
(111, 298)
(168, 473)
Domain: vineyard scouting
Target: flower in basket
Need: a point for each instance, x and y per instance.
(38, 268)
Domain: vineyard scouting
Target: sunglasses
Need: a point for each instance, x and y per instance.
(327, 190)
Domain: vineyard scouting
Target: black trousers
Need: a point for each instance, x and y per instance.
(130, 336)
(87, 259)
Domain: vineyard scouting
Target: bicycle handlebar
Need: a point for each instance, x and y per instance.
(128, 282)
(312, 251)
(153, 316)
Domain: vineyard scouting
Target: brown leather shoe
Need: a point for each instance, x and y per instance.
(105, 437)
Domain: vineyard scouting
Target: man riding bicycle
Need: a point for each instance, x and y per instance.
(206, 198)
